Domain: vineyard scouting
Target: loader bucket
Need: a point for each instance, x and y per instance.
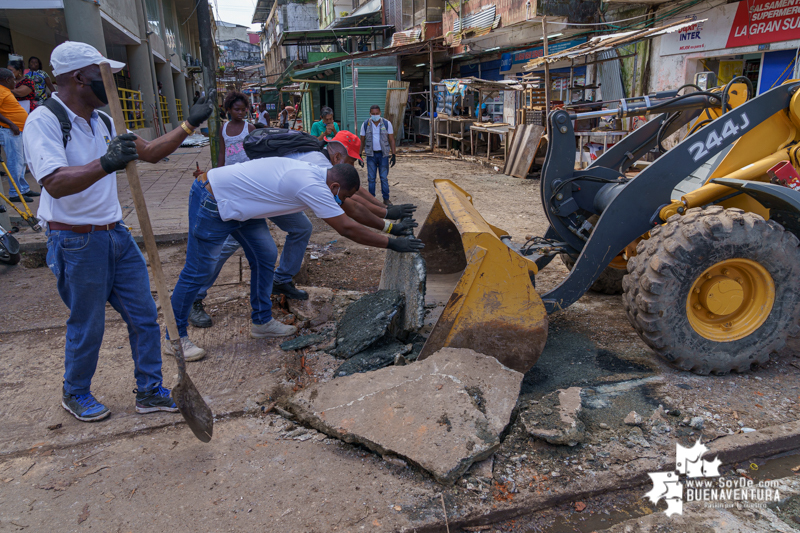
(493, 308)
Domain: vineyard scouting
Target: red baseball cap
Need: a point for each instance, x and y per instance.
(351, 142)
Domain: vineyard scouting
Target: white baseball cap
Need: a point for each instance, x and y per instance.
(72, 55)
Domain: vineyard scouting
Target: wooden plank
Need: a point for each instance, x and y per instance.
(510, 145)
(516, 146)
(396, 101)
(527, 152)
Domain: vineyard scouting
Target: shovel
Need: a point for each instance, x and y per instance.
(186, 396)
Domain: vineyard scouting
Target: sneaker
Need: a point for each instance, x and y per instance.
(198, 316)
(273, 328)
(84, 407)
(289, 290)
(156, 399)
(191, 352)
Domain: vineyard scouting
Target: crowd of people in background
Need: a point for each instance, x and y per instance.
(21, 91)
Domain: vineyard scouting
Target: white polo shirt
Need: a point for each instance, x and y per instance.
(271, 187)
(45, 153)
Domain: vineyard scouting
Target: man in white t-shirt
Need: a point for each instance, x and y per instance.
(236, 200)
(377, 138)
(90, 251)
(263, 114)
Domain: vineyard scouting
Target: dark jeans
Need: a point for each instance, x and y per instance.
(92, 269)
(376, 163)
(298, 228)
(207, 235)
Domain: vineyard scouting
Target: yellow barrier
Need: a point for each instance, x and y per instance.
(164, 110)
(179, 107)
(132, 108)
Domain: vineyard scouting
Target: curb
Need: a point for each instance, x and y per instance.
(731, 449)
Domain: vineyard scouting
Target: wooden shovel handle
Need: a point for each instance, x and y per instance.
(144, 218)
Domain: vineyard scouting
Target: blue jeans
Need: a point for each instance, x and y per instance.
(374, 162)
(207, 235)
(298, 228)
(92, 269)
(15, 161)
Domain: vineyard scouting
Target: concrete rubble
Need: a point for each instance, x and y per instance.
(407, 273)
(442, 414)
(555, 418)
(366, 321)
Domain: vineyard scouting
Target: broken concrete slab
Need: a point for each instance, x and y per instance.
(303, 341)
(442, 414)
(380, 355)
(555, 418)
(407, 273)
(366, 321)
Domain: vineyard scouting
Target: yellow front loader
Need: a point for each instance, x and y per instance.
(713, 282)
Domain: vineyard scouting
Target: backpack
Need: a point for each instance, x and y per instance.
(278, 142)
(66, 126)
(367, 130)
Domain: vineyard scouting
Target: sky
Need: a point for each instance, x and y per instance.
(236, 11)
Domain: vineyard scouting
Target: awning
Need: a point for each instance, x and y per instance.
(329, 36)
(369, 12)
(401, 38)
(263, 7)
(610, 42)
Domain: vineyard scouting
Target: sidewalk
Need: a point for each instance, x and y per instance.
(166, 191)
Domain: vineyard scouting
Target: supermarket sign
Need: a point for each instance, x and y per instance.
(746, 23)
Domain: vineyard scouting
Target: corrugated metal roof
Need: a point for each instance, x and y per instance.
(610, 42)
(483, 18)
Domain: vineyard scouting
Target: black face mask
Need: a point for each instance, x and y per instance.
(99, 90)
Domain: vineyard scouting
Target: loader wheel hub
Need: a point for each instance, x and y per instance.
(721, 295)
(730, 300)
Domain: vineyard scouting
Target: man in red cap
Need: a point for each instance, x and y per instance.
(345, 147)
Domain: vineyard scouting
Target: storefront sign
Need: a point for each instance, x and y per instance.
(745, 23)
(523, 56)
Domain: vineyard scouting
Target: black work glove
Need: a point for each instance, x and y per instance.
(404, 227)
(202, 109)
(392, 160)
(121, 151)
(396, 212)
(360, 163)
(405, 244)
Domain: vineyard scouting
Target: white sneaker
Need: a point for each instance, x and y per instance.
(191, 352)
(273, 328)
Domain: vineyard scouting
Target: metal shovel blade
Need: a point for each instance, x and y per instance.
(189, 401)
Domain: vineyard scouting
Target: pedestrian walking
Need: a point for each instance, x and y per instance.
(377, 138)
(74, 152)
(263, 114)
(40, 78)
(12, 120)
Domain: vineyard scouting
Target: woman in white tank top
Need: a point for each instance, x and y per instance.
(235, 130)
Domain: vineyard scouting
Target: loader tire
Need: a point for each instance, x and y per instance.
(700, 255)
(609, 282)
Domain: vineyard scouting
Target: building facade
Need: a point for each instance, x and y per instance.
(157, 40)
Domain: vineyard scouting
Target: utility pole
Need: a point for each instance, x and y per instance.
(209, 74)
(546, 74)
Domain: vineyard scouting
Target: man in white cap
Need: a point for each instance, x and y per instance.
(74, 153)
